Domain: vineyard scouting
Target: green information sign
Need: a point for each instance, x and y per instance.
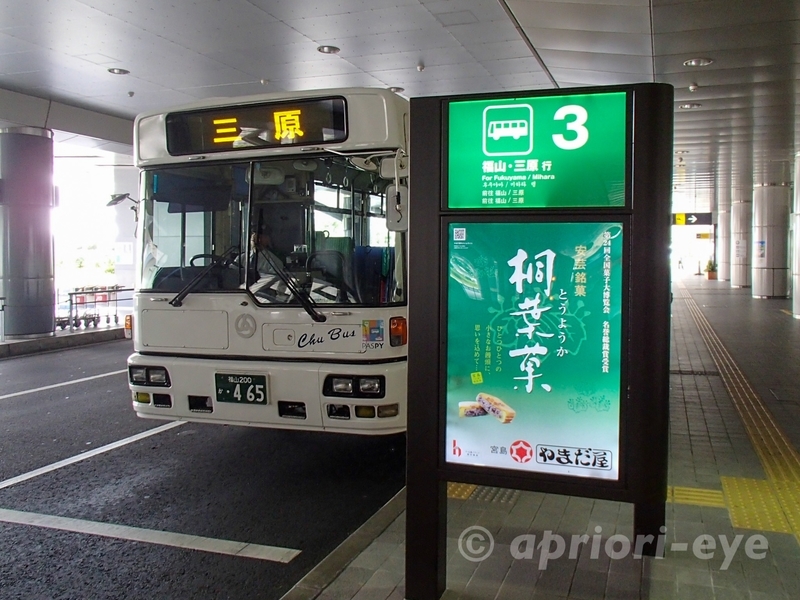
(534, 346)
(538, 152)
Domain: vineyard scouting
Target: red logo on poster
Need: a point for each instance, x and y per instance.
(456, 449)
(521, 451)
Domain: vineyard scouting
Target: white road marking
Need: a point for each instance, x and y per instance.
(79, 457)
(151, 536)
(56, 385)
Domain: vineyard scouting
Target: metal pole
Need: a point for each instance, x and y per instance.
(71, 321)
(2, 319)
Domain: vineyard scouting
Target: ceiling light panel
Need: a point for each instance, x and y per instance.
(328, 81)
(483, 11)
(514, 66)
(485, 33)
(378, 43)
(10, 44)
(404, 60)
(430, 87)
(231, 90)
(498, 50)
(289, 10)
(459, 17)
(198, 75)
(440, 72)
(323, 66)
(522, 81)
(375, 21)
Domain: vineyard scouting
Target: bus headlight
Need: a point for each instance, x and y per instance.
(354, 386)
(342, 385)
(156, 376)
(138, 374)
(369, 385)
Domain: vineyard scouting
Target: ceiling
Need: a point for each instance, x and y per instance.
(745, 128)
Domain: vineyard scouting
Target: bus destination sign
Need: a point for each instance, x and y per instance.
(565, 151)
(250, 126)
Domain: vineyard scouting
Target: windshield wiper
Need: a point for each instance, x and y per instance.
(305, 301)
(215, 261)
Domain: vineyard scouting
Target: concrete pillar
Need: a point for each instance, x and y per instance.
(741, 221)
(26, 243)
(724, 224)
(796, 242)
(770, 241)
(770, 256)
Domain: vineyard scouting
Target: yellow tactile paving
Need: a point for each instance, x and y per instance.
(776, 501)
(753, 504)
(696, 497)
(788, 494)
(460, 491)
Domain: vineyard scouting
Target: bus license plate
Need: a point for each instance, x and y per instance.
(241, 389)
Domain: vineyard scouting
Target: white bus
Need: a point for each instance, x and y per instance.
(272, 262)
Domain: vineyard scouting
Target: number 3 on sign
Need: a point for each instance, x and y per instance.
(578, 126)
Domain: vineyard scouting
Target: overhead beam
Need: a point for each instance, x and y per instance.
(25, 110)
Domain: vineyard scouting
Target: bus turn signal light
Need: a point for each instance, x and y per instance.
(388, 410)
(398, 331)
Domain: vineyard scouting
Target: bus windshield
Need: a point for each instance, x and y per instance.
(288, 231)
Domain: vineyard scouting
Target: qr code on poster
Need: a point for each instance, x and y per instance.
(459, 234)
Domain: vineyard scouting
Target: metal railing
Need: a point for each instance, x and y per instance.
(91, 305)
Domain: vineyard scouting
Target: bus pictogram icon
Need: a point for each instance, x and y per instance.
(508, 130)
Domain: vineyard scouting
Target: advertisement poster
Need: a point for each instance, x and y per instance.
(542, 152)
(534, 347)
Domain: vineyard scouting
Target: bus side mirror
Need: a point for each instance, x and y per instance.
(397, 208)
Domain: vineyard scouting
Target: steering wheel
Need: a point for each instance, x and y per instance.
(269, 291)
(215, 258)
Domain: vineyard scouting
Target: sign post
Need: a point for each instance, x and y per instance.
(545, 301)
